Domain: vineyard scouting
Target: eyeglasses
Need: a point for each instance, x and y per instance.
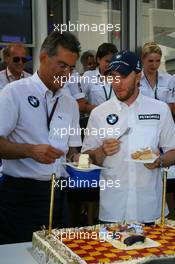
(17, 59)
(65, 66)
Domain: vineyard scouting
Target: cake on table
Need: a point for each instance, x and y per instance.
(91, 245)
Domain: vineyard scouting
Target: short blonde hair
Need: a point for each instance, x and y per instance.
(150, 47)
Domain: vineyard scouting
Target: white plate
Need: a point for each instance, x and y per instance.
(92, 167)
(142, 161)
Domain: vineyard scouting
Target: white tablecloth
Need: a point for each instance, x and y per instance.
(16, 254)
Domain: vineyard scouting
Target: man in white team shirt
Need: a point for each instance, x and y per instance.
(15, 60)
(34, 113)
(139, 196)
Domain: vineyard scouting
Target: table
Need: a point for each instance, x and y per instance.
(16, 254)
(20, 254)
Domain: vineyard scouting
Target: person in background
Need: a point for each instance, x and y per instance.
(133, 191)
(4, 56)
(93, 88)
(171, 87)
(88, 61)
(153, 83)
(95, 85)
(15, 61)
(33, 113)
(14, 56)
(73, 87)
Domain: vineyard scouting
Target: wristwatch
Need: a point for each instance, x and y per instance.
(160, 162)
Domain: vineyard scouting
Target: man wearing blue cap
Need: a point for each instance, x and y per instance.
(150, 125)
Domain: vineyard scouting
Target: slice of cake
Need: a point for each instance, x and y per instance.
(143, 154)
(83, 162)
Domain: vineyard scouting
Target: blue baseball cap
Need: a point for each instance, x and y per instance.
(124, 62)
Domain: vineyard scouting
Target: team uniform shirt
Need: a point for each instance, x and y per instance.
(162, 90)
(138, 197)
(171, 85)
(25, 105)
(7, 77)
(96, 89)
(73, 86)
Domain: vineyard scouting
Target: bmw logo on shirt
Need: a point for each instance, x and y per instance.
(33, 101)
(118, 56)
(112, 119)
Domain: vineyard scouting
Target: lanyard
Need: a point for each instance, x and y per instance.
(107, 97)
(155, 93)
(49, 117)
(8, 79)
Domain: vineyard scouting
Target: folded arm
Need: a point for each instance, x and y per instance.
(42, 153)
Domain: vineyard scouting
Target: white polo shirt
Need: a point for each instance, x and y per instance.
(23, 119)
(73, 86)
(7, 77)
(171, 85)
(96, 89)
(139, 196)
(162, 89)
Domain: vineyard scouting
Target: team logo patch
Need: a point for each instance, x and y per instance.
(149, 116)
(112, 119)
(118, 56)
(33, 101)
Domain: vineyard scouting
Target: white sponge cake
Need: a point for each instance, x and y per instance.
(83, 162)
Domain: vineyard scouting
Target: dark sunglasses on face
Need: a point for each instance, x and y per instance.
(17, 59)
(91, 64)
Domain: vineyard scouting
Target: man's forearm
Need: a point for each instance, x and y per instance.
(88, 107)
(84, 106)
(72, 151)
(10, 150)
(97, 155)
